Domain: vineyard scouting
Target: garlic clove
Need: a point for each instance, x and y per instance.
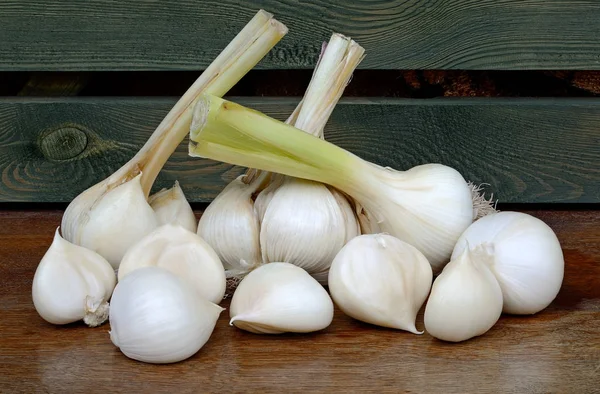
(381, 280)
(72, 283)
(230, 226)
(183, 253)
(303, 225)
(266, 195)
(115, 222)
(524, 254)
(465, 300)
(350, 218)
(280, 297)
(157, 317)
(171, 206)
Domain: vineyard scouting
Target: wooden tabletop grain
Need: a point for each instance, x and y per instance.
(556, 351)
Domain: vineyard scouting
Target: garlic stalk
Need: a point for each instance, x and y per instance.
(157, 317)
(465, 300)
(280, 297)
(233, 221)
(523, 253)
(305, 222)
(381, 280)
(253, 42)
(427, 206)
(72, 283)
(181, 252)
(171, 207)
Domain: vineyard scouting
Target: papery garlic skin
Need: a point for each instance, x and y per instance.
(429, 207)
(230, 226)
(72, 283)
(157, 317)
(524, 254)
(280, 297)
(465, 300)
(183, 253)
(304, 225)
(171, 207)
(381, 280)
(117, 221)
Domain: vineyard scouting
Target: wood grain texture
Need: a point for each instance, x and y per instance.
(410, 34)
(555, 351)
(526, 150)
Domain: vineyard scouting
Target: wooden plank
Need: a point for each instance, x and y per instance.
(555, 351)
(412, 34)
(528, 150)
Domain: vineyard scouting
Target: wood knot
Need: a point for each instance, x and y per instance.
(63, 143)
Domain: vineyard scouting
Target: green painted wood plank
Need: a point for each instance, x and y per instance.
(409, 34)
(527, 150)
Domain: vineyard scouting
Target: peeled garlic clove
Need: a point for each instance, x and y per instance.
(157, 317)
(525, 256)
(115, 222)
(183, 253)
(230, 225)
(465, 300)
(171, 206)
(381, 280)
(280, 297)
(303, 225)
(72, 283)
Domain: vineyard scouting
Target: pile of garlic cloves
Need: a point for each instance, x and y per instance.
(294, 246)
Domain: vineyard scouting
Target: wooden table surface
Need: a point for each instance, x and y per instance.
(556, 351)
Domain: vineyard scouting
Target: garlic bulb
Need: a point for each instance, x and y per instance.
(230, 225)
(72, 283)
(304, 224)
(107, 228)
(171, 206)
(183, 253)
(157, 317)
(465, 300)
(280, 297)
(524, 254)
(381, 280)
(114, 214)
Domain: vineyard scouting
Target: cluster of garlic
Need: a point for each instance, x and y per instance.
(140, 252)
(262, 218)
(285, 237)
(505, 262)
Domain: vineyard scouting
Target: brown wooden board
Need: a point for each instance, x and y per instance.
(527, 150)
(555, 351)
(65, 35)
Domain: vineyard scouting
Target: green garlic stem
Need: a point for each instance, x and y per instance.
(226, 131)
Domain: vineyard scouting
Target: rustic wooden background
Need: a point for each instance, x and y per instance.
(508, 92)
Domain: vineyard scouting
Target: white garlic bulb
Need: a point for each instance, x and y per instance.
(305, 225)
(72, 283)
(171, 206)
(230, 225)
(381, 280)
(183, 253)
(157, 317)
(525, 256)
(465, 300)
(280, 297)
(112, 223)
